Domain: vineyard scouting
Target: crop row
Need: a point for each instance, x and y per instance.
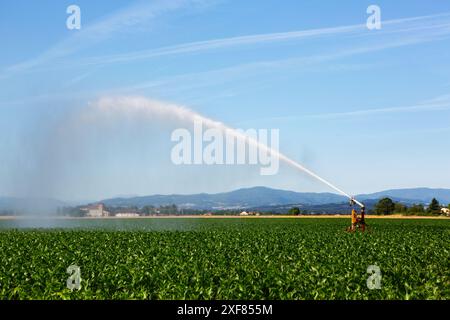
(255, 259)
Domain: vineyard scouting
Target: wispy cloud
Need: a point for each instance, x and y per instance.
(208, 78)
(405, 109)
(145, 11)
(429, 28)
(414, 24)
(440, 103)
(120, 21)
(197, 80)
(77, 79)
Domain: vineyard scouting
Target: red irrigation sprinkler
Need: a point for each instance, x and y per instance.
(358, 222)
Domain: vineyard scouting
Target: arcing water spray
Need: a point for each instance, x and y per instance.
(139, 106)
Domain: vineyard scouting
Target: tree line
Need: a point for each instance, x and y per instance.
(386, 206)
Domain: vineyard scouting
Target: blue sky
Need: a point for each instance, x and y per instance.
(366, 109)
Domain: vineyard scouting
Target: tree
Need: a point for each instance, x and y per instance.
(385, 206)
(169, 209)
(416, 209)
(400, 208)
(148, 210)
(434, 207)
(294, 211)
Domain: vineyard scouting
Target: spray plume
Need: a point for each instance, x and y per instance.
(143, 107)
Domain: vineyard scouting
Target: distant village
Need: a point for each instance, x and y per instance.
(384, 206)
(99, 210)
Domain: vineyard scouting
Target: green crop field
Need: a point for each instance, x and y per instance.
(225, 259)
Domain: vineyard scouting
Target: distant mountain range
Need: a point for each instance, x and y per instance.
(248, 198)
(423, 195)
(242, 198)
(257, 197)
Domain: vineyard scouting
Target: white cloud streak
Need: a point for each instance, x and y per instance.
(430, 23)
(440, 103)
(367, 112)
(138, 14)
(210, 77)
(433, 30)
(121, 21)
